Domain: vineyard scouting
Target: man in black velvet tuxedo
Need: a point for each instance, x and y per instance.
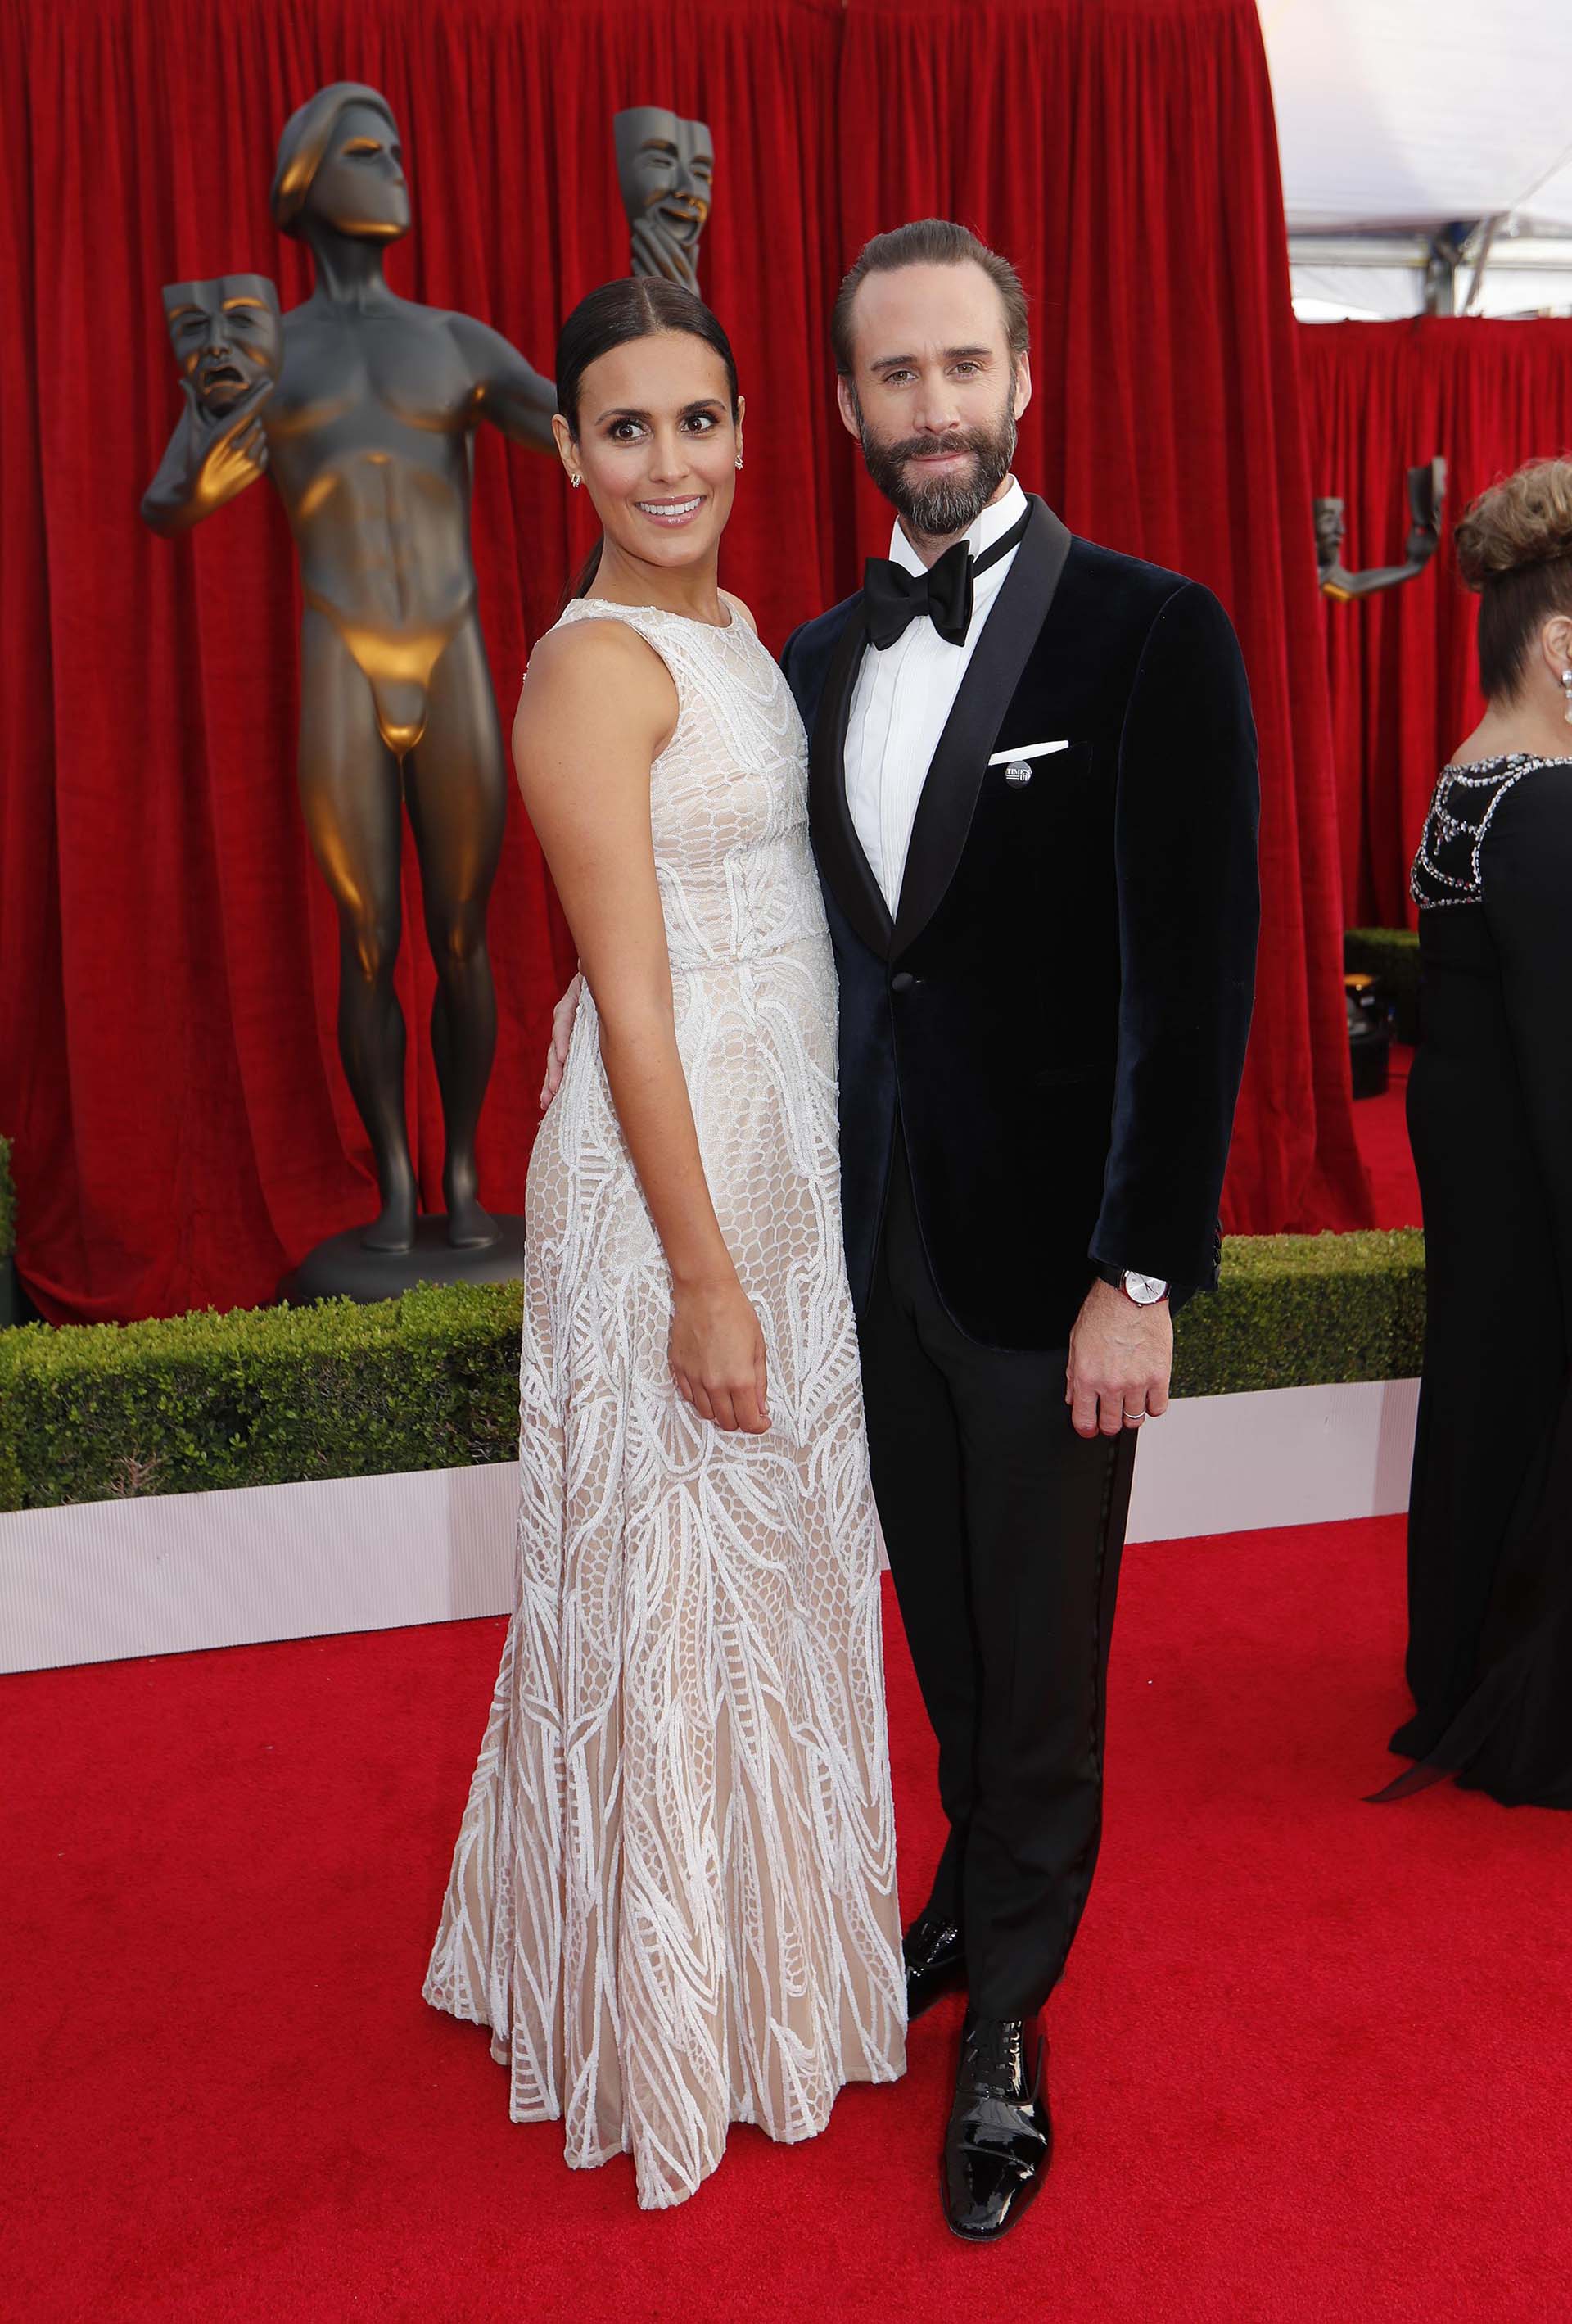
(1034, 802)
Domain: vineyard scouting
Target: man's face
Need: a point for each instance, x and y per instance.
(665, 165)
(360, 188)
(227, 335)
(934, 395)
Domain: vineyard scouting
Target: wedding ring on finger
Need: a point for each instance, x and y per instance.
(1133, 1419)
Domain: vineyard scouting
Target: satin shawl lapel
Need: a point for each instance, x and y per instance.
(954, 778)
(841, 860)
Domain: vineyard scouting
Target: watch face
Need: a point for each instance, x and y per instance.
(1146, 1290)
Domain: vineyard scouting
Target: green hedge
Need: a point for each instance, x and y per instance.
(1294, 1310)
(1393, 955)
(274, 1395)
(259, 1396)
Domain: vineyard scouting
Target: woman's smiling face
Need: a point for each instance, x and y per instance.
(657, 444)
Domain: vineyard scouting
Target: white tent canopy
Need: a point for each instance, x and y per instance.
(1405, 121)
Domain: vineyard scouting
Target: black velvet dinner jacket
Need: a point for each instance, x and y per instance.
(1058, 1012)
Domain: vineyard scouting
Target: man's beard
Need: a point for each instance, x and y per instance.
(947, 505)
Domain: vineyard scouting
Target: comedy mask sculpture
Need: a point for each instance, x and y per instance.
(666, 169)
(359, 404)
(1427, 497)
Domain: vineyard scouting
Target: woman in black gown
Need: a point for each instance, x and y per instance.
(1490, 1116)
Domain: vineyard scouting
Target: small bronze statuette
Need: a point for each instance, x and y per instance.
(360, 405)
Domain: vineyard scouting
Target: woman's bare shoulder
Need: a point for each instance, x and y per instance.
(589, 671)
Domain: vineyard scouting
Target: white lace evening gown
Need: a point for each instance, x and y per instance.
(672, 1897)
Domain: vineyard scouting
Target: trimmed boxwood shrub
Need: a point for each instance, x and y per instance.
(259, 1396)
(276, 1394)
(1292, 1311)
(1392, 954)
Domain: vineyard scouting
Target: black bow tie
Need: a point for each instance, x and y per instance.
(893, 598)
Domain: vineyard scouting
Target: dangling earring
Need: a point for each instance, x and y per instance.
(1567, 690)
(576, 481)
(740, 463)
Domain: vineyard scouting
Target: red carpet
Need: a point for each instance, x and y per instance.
(1381, 1133)
(1310, 2062)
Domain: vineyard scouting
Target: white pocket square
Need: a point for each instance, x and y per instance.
(1028, 751)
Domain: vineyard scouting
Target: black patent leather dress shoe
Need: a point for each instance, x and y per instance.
(1000, 2137)
(935, 1962)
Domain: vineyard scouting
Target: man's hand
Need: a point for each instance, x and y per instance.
(562, 1018)
(1121, 1359)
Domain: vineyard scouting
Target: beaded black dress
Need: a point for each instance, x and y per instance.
(1490, 1117)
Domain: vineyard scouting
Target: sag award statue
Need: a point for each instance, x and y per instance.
(1427, 497)
(666, 168)
(359, 405)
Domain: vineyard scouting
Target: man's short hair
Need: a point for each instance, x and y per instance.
(928, 242)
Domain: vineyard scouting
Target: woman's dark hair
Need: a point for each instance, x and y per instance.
(612, 316)
(1514, 547)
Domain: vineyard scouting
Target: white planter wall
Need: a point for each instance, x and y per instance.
(103, 1580)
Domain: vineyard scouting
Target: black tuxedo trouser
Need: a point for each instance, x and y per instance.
(1003, 1529)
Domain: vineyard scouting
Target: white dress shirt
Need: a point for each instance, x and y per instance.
(902, 701)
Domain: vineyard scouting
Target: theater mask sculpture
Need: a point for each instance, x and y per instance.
(666, 168)
(227, 336)
(362, 415)
(1427, 497)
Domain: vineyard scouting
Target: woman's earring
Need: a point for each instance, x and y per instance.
(740, 463)
(576, 481)
(1567, 690)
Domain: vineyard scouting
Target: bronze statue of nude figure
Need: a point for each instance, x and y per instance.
(365, 431)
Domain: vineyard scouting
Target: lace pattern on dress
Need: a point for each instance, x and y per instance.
(673, 1896)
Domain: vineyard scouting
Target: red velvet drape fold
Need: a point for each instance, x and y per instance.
(168, 956)
(1379, 399)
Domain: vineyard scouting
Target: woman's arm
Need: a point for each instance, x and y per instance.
(597, 709)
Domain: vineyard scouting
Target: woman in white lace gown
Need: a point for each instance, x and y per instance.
(673, 1895)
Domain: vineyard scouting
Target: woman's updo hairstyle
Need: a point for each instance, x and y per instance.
(636, 308)
(1514, 547)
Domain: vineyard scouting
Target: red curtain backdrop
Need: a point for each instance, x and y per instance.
(1379, 399)
(168, 955)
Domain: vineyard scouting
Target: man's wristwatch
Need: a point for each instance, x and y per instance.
(1146, 1290)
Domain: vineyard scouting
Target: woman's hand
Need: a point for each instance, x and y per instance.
(717, 1356)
